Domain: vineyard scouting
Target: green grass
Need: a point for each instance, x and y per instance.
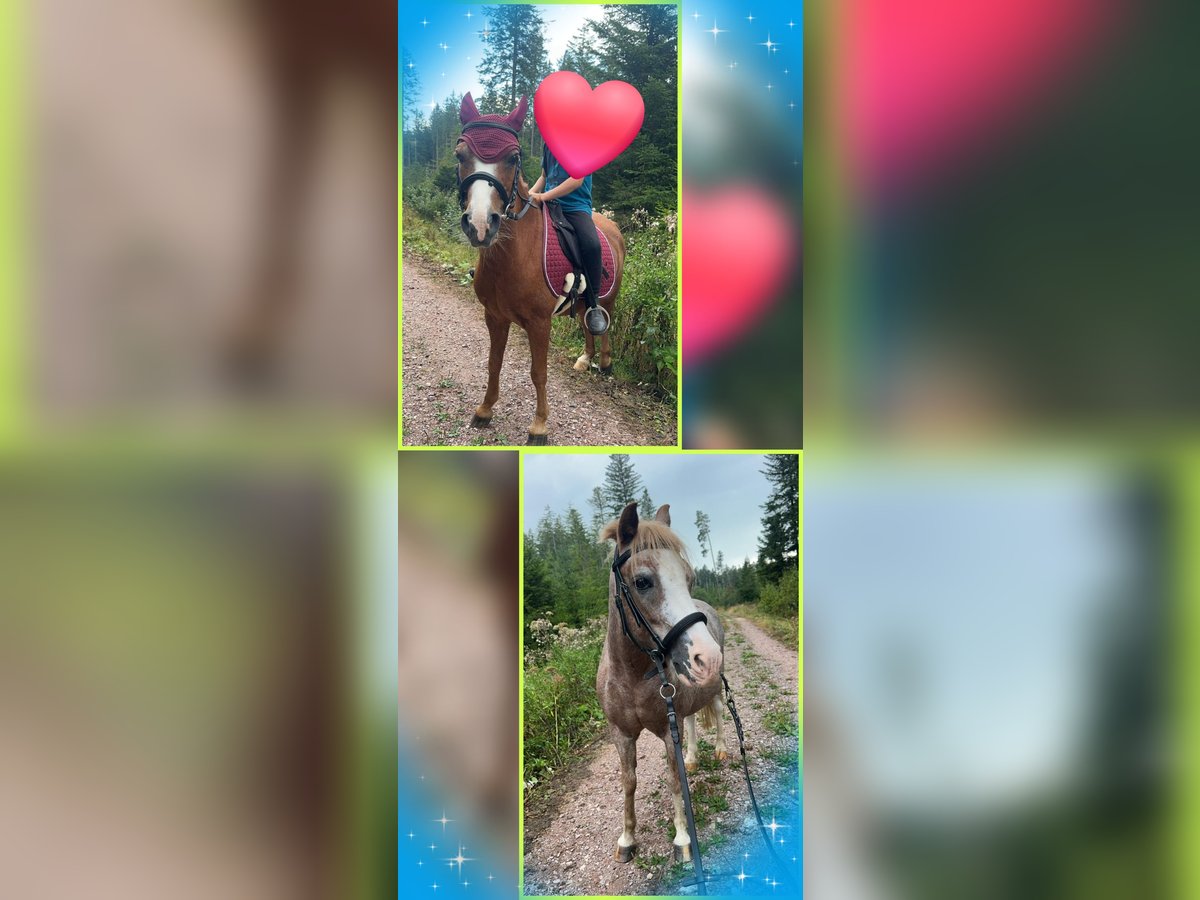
(562, 713)
(782, 628)
(779, 722)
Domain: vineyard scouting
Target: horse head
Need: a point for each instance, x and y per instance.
(660, 578)
(489, 168)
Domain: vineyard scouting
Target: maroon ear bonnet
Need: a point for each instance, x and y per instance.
(491, 144)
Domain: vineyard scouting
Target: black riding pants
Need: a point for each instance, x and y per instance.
(589, 249)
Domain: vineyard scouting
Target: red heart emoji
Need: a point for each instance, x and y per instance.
(586, 129)
(738, 246)
(929, 81)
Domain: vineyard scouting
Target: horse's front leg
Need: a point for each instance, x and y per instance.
(682, 843)
(539, 349)
(498, 332)
(690, 762)
(627, 753)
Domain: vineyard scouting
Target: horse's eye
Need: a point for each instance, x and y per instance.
(642, 583)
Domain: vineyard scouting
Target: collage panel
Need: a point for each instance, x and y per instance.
(457, 674)
(539, 225)
(660, 587)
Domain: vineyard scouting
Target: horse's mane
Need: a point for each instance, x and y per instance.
(651, 535)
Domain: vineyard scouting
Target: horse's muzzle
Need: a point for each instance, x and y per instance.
(472, 233)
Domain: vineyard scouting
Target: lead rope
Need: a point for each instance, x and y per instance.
(693, 835)
(737, 723)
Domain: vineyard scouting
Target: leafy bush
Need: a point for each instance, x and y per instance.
(562, 712)
(782, 597)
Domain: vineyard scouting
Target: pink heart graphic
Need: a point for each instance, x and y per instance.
(928, 82)
(586, 129)
(738, 246)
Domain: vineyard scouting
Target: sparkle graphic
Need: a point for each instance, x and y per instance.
(732, 65)
(424, 23)
(714, 31)
(742, 876)
(774, 884)
(410, 65)
(434, 885)
(791, 24)
(444, 46)
(459, 860)
(490, 876)
(467, 15)
(432, 105)
(769, 44)
(789, 72)
(411, 835)
(750, 18)
(486, 33)
(792, 106)
(770, 87)
(433, 846)
(696, 16)
(443, 820)
(774, 826)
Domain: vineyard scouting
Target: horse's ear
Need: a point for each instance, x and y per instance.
(664, 514)
(516, 118)
(467, 112)
(627, 525)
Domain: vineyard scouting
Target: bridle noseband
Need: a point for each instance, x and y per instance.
(507, 195)
(662, 646)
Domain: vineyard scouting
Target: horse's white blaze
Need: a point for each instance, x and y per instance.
(678, 603)
(479, 199)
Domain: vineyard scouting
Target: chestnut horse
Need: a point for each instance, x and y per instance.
(660, 579)
(508, 277)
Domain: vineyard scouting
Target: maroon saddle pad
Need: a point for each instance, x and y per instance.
(556, 266)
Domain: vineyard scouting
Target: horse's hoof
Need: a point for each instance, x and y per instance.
(691, 766)
(536, 440)
(722, 756)
(478, 421)
(625, 854)
(681, 854)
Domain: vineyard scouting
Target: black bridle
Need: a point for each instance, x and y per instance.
(508, 196)
(659, 653)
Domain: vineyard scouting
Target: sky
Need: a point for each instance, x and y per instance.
(729, 488)
(448, 24)
(984, 586)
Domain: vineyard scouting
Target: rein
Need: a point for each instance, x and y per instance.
(658, 653)
(507, 195)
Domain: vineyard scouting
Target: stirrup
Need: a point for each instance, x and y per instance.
(597, 321)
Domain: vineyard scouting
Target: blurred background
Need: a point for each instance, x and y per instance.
(196, 678)
(212, 213)
(459, 660)
(1010, 198)
(989, 679)
(743, 175)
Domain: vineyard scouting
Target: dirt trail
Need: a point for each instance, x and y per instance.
(445, 373)
(570, 836)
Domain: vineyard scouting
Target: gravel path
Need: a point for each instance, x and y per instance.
(445, 373)
(571, 832)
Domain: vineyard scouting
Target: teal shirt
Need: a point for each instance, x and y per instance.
(580, 198)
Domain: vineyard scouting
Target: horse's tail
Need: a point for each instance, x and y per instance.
(708, 715)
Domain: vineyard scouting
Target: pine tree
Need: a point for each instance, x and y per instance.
(778, 545)
(646, 507)
(600, 515)
(539, 597)
(622, 484)
(514, 56)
